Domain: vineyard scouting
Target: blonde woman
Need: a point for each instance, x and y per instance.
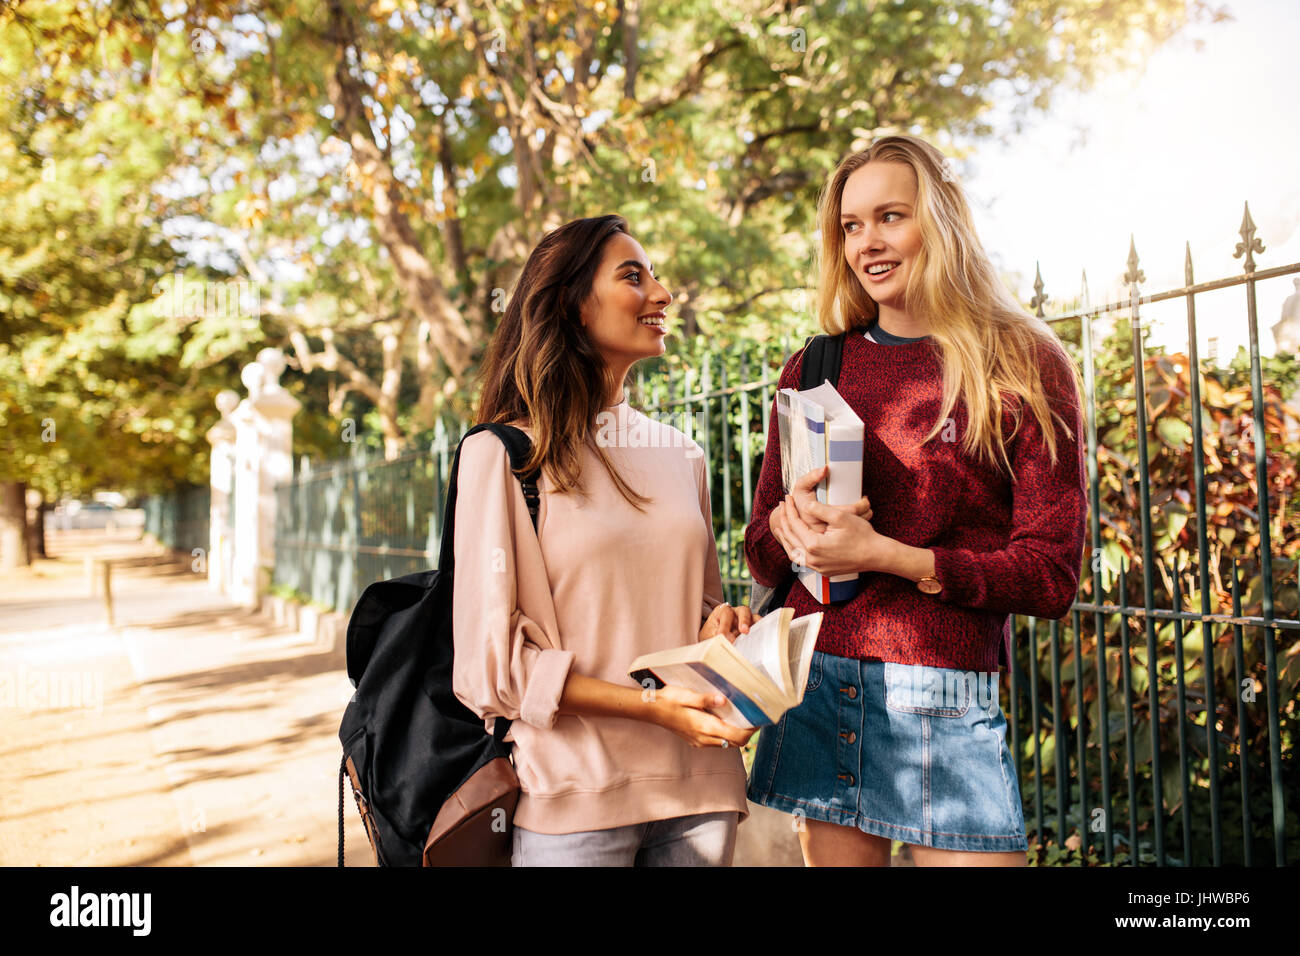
(973, 509)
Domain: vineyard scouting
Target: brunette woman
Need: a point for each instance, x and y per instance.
(623, 563)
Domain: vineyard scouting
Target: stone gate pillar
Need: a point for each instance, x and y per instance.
(263, 458)
(221, 481)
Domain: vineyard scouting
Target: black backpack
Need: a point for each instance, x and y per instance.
(408, 742)
(821, 363)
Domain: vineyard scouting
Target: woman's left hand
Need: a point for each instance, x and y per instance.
(727, 620)
(833, 539)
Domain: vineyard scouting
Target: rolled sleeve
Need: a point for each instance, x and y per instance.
(545, 687)
(506, 662)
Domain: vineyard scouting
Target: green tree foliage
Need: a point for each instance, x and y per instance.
(107, 379)
(78, 159)
(378, 170)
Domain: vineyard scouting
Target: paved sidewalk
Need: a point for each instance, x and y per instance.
(190, 733)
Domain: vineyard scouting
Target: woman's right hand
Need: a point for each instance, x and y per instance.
(686, 713)
(778, 519)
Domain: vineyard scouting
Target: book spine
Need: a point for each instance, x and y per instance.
(751, 710)
(843, 486)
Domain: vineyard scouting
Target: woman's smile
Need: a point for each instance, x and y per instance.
(876, 271)
(655, 320)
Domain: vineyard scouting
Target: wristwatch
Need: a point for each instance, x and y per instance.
(929, 584)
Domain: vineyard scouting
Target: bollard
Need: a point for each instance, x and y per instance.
(108, 591)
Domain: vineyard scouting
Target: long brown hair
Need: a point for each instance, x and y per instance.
(989, 345)
(542, 368)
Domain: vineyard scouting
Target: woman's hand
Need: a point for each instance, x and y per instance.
(829, 539)
(728, 620)
(685, 712)
(780, 525)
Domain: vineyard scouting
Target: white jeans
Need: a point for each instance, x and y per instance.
(700, 839)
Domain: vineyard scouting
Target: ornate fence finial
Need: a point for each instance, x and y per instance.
(253, 375)
(227, 401)
(1039, 299)
(272, 360)
(1250, 243)
(1187, 266)
(1085, 300)
(1134, 274)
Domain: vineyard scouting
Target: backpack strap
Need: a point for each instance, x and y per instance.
(822, 357)
(519, 448)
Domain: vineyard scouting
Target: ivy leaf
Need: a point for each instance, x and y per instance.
(1174, 432)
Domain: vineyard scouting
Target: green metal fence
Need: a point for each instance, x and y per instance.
(179, 519)
(342, 525)
(1101, 780)
(1081, 726)
(1219, 731)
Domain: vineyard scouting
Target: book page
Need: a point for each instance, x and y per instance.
(802, 428)
(832, 402)
(762, 647)
(785, 432)
(800, 646)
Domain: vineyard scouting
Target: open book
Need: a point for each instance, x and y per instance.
(817, 427)
(762, 675)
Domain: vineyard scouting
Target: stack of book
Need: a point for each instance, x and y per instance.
(817, 427)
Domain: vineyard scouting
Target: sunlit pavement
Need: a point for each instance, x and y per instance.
(192, 732)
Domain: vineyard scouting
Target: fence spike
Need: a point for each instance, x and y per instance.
(1250, 243)
(1134, 274)
(1187, 266)
(1084, 299)
(1039, 299)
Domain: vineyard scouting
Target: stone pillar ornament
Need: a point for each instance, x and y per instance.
(263, 459)
(221, 479)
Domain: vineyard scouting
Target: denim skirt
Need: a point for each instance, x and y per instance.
(903, 751)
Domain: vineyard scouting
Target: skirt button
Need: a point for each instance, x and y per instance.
(850, 691)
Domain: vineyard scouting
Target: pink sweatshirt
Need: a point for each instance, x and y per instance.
(598, 585)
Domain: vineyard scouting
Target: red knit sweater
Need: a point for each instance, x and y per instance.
(1000, 547)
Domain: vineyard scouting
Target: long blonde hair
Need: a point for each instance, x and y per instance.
(989, 346)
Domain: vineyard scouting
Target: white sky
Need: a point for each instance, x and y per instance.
(1169, 155)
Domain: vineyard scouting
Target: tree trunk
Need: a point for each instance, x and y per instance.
(13, 524)
(36, 508)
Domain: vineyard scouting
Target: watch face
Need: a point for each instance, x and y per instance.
(929, 585)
